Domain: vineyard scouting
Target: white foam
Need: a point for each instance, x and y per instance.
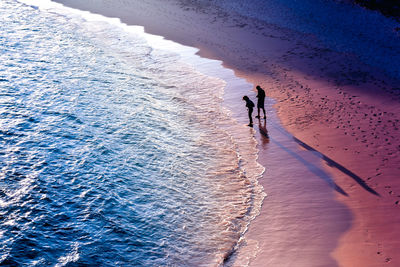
(155, 41)
(72, 256)
(246, 143)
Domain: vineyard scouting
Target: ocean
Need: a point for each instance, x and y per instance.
(115, 149)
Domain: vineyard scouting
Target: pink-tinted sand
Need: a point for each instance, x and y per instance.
(334, 190)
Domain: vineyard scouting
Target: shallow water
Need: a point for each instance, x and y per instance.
(113, 151)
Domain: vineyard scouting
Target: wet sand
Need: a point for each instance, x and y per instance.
(332, 170)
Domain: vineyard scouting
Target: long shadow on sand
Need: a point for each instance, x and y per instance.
(310, 166)
(316, 170)
(336, 165)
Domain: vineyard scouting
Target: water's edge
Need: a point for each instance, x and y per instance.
(246, 143)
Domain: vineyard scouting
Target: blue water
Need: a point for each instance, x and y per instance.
(110, 153)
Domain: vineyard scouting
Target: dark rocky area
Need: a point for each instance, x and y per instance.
(390, 8)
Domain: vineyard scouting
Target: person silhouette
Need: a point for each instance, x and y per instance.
(250, 106)
(260, 101)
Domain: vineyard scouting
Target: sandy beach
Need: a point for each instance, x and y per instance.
(330, 143)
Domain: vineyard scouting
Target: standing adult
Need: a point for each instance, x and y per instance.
(260, 101)
(250, 106)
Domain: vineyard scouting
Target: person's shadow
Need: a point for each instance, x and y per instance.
(262, 126)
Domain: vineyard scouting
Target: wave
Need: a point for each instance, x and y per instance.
(179, 138)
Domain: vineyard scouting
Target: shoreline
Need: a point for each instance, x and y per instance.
(305, 103)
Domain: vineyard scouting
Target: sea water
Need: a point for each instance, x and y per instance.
(114, 152)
